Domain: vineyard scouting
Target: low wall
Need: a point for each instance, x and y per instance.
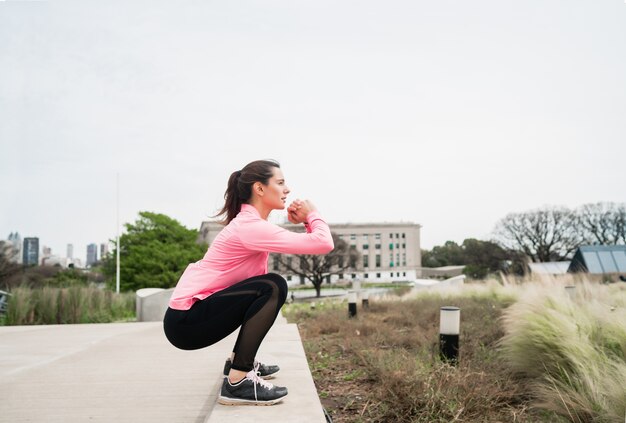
(452, 282)
(442, 272)
(152, 303)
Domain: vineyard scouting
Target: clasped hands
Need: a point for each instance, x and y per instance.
(298, 210)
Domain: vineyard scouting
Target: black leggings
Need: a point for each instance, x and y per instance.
(252, 304)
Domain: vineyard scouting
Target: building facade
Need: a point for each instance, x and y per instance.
(30, 251)
(92, 254)
(389, 252)
(16, 247)
(104, 250)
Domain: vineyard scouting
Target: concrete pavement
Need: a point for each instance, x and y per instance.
(128, 372)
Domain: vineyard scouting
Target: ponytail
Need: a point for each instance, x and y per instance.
(239, 189)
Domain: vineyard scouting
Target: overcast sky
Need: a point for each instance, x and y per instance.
(449, 114)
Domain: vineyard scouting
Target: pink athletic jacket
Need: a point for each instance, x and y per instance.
(241, 250)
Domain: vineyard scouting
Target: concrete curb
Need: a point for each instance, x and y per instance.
(284, 346)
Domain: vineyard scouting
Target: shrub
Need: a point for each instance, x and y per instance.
(75, 304)
(20, 307)
(571, 353)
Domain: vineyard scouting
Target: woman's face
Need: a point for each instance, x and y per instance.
(275, 192)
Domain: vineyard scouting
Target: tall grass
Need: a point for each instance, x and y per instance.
(571, 352)
(529, 353)
(75, 304)
(384, 364)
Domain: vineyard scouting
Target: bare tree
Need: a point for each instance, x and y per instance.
(602, 223)
(316, 268)
(543, 235)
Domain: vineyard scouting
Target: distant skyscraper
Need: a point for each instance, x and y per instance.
(92, 254)
(31, 251)
(70, 251)
(104, 250)
(16, 241)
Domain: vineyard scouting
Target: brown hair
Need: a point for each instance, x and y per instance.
(239, 190)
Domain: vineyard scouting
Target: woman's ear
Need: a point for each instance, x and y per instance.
(258, 188)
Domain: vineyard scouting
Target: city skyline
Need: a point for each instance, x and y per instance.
(45, 251)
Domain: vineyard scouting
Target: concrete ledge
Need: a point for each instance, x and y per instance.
(284, 347)
(128, 372)
(456, 281)
(151, 304)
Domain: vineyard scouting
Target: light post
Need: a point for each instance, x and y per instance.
(449, 325)
(117, 248)
(351, 303)
(365, 298)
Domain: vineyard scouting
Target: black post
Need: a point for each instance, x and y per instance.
(449, 324)
(351, 304)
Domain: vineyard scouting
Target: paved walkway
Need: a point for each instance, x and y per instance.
(128, 372)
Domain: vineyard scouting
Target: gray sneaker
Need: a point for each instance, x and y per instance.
(266, 371)
(251, 390)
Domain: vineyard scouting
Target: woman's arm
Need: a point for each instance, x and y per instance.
(265, 236)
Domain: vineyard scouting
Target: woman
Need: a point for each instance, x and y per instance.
(230, 287)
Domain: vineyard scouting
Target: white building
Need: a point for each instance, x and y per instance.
(104, 250)
(390, 252)
(16, 242)
(53, 260)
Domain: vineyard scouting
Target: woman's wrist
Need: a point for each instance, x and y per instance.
(312, 215)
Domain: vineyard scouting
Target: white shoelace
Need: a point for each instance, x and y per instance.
(254, 377)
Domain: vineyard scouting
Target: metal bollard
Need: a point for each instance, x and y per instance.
(571, 291)
(365, 299)
(351, 304)
(449, 325)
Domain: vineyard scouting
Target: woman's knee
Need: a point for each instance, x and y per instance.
(280, 283)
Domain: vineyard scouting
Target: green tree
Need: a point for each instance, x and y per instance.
(480, 258)
(483, 257)
(69, 277)
(154, 252)
(449, 254)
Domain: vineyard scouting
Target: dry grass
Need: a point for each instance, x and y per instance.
(383, 366)
(76, 304)
(571, 351)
